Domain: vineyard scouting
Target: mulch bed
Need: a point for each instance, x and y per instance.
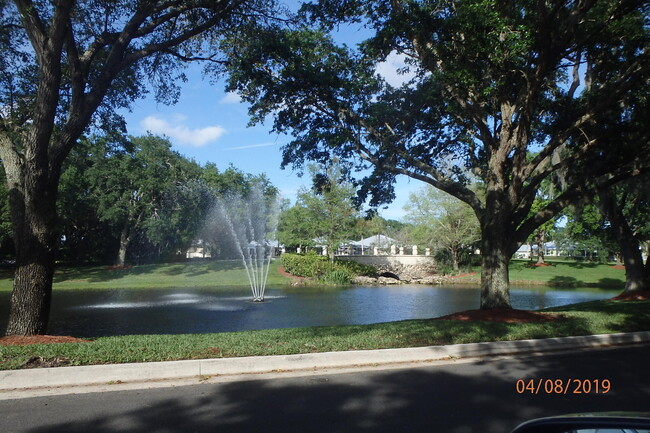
(287, 274)
(641, 295)
(506, 315)
(18, 340)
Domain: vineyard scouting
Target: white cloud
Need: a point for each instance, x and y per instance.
(388, 70)
(231, 98)
(180, 133)
(250, 146)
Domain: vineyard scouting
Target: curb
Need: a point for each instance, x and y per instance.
(17, 380)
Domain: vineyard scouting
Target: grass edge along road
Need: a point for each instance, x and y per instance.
(596, 317)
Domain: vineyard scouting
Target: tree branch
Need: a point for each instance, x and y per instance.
(33, 25)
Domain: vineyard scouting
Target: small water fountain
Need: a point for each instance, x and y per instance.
(252, 221)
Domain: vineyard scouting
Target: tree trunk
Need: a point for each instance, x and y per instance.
(635, 271)
(619, 258)
(125, 240)
(496, 248)
(495, 259)
(647, 264)
(33, 212)
(454, 259)
(541, 238)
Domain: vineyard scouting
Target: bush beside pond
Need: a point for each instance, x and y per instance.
(323, 269)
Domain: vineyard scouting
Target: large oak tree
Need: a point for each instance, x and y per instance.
(66, 65)
(492, 83)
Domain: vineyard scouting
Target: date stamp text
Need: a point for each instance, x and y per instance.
(563, 386)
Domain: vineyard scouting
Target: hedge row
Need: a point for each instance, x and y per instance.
(320, 267)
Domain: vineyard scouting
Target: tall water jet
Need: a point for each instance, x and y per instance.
(252, 221)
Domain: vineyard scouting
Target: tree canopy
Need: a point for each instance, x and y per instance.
(67, 66)
(443, 222)
(325, 214)
(490, 83)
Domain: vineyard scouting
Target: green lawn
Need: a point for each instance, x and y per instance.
(596, 317)
(562, 273)
(222, 273)
(231, 273)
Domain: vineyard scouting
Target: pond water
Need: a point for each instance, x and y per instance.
(94, 313)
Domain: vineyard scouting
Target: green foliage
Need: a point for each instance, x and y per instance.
(140, 191)
(443, 222)
(304, 265)
(489, 83)
(355, 268)
(6, 239)
(116, 191)
(320, 267)
(586, 235)
(295, 228)
(325, 212)
(337, 277)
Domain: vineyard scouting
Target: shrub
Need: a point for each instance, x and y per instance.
(315, 266)
(308, 265)
(355, 268)
(338, 276)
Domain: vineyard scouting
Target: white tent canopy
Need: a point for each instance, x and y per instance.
(379, 241)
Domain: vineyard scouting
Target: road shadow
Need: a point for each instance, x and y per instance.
(456, 398)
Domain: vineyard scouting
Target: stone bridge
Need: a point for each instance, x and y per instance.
(405, 268)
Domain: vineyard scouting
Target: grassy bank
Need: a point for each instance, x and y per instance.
(231, 273)
(596, 317)
(561, 273)
(222, 273)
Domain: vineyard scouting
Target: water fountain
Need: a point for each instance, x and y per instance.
(252, 221)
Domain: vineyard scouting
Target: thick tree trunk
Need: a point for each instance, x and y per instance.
(30, 299)
(33, 216)
(636, 277)
(495, 280)
(496, 251)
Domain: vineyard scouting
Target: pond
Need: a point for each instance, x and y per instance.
(94, 313)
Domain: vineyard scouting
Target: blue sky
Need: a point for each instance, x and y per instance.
(209, 125)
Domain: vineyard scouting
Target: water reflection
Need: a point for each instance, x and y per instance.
(92, 313)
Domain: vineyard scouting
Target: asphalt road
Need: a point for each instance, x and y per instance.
(483, 396)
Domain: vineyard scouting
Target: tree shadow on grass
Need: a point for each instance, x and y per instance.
(433, 332)
(572, 282)
(456, 398)
(565, 281)
(629, 315)
(582, 265)
(611, 283)
(108, 273)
